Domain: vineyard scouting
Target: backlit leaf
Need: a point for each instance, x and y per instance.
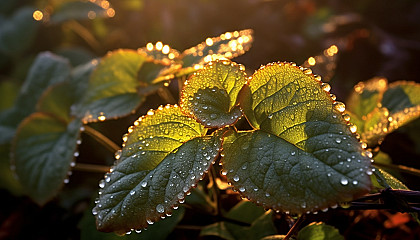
(210, 95)
(303, 156)
(386, 180)
(47, 70)
(366, 96)
(319, 231)
(226, 46)
(43, 151)
(112, 90)
(401, 95)
(165, 153)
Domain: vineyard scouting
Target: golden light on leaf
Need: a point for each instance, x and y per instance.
(38, 15)
(331, 51)
(159, 46)
(110, 12)
(209, 42)
(104, 4)
(311, 61)
(165, 49)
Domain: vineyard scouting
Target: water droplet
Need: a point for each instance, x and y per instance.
(270, 116)
(76, 154)
(132, 192)
(242, 189)
(344, 181)
(338, 140)
(107, 178)
(224, 173)
(339, 106)
(102, 184)
(369, 172)
(143, 183)
(355, 182)
(303, 205)
(326, 87)
(138, 231)
(94, 212)
(236, 178)
(267, 194)
(149, 221)
(293, 153)
(159, 208)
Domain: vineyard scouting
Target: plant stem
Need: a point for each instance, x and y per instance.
(166, 95)
(400, 168)
(295, 227)
(102, 139)
(215, 191)
(91, 168)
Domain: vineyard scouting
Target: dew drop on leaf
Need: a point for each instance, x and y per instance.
(159, 208)
(344, 181)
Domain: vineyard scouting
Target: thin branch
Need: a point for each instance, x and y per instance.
(295, 227)
(102, 139)
(401, 168)
(84, 167)
(215, 190)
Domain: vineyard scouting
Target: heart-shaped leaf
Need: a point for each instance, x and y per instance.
(44, 145)
(164, 155)
(47, 70)
(210, 95)
(227, 46)
(303, 157)
(112, 90)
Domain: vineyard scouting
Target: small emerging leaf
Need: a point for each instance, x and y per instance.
(210, 95)
(319, 231)
(164, 155)
(302, 157)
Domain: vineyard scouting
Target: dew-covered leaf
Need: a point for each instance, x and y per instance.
(76, 10)
(226, 46)
(112, 90)
(319, 231)
(158, 231)
(165, 153)
(386, 180)
(47, 70)
(43, 151)
(303, 156)
(210, 95)
(366, 96)
(401, 95)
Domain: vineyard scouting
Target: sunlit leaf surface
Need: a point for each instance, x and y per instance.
(303, 156)
(226, 46)
(112, 90)
(165, 153)
(210, 95)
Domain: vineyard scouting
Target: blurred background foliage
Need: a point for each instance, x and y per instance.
(373, 38)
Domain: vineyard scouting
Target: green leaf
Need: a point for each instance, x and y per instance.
(401, 95)
(112, 90)
(227, 46)
(164, 155)
(366, 96)
(18, 32)
(157, 231)
(386, 180)
(8, 93)
(210, 95)
(43, 151)
(303, 156)
(56, 101)
(261, 223)
(319, 231)
(76, 10)
(47, 70)
(7, 177)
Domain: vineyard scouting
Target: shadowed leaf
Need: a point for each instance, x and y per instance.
(319, 231)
